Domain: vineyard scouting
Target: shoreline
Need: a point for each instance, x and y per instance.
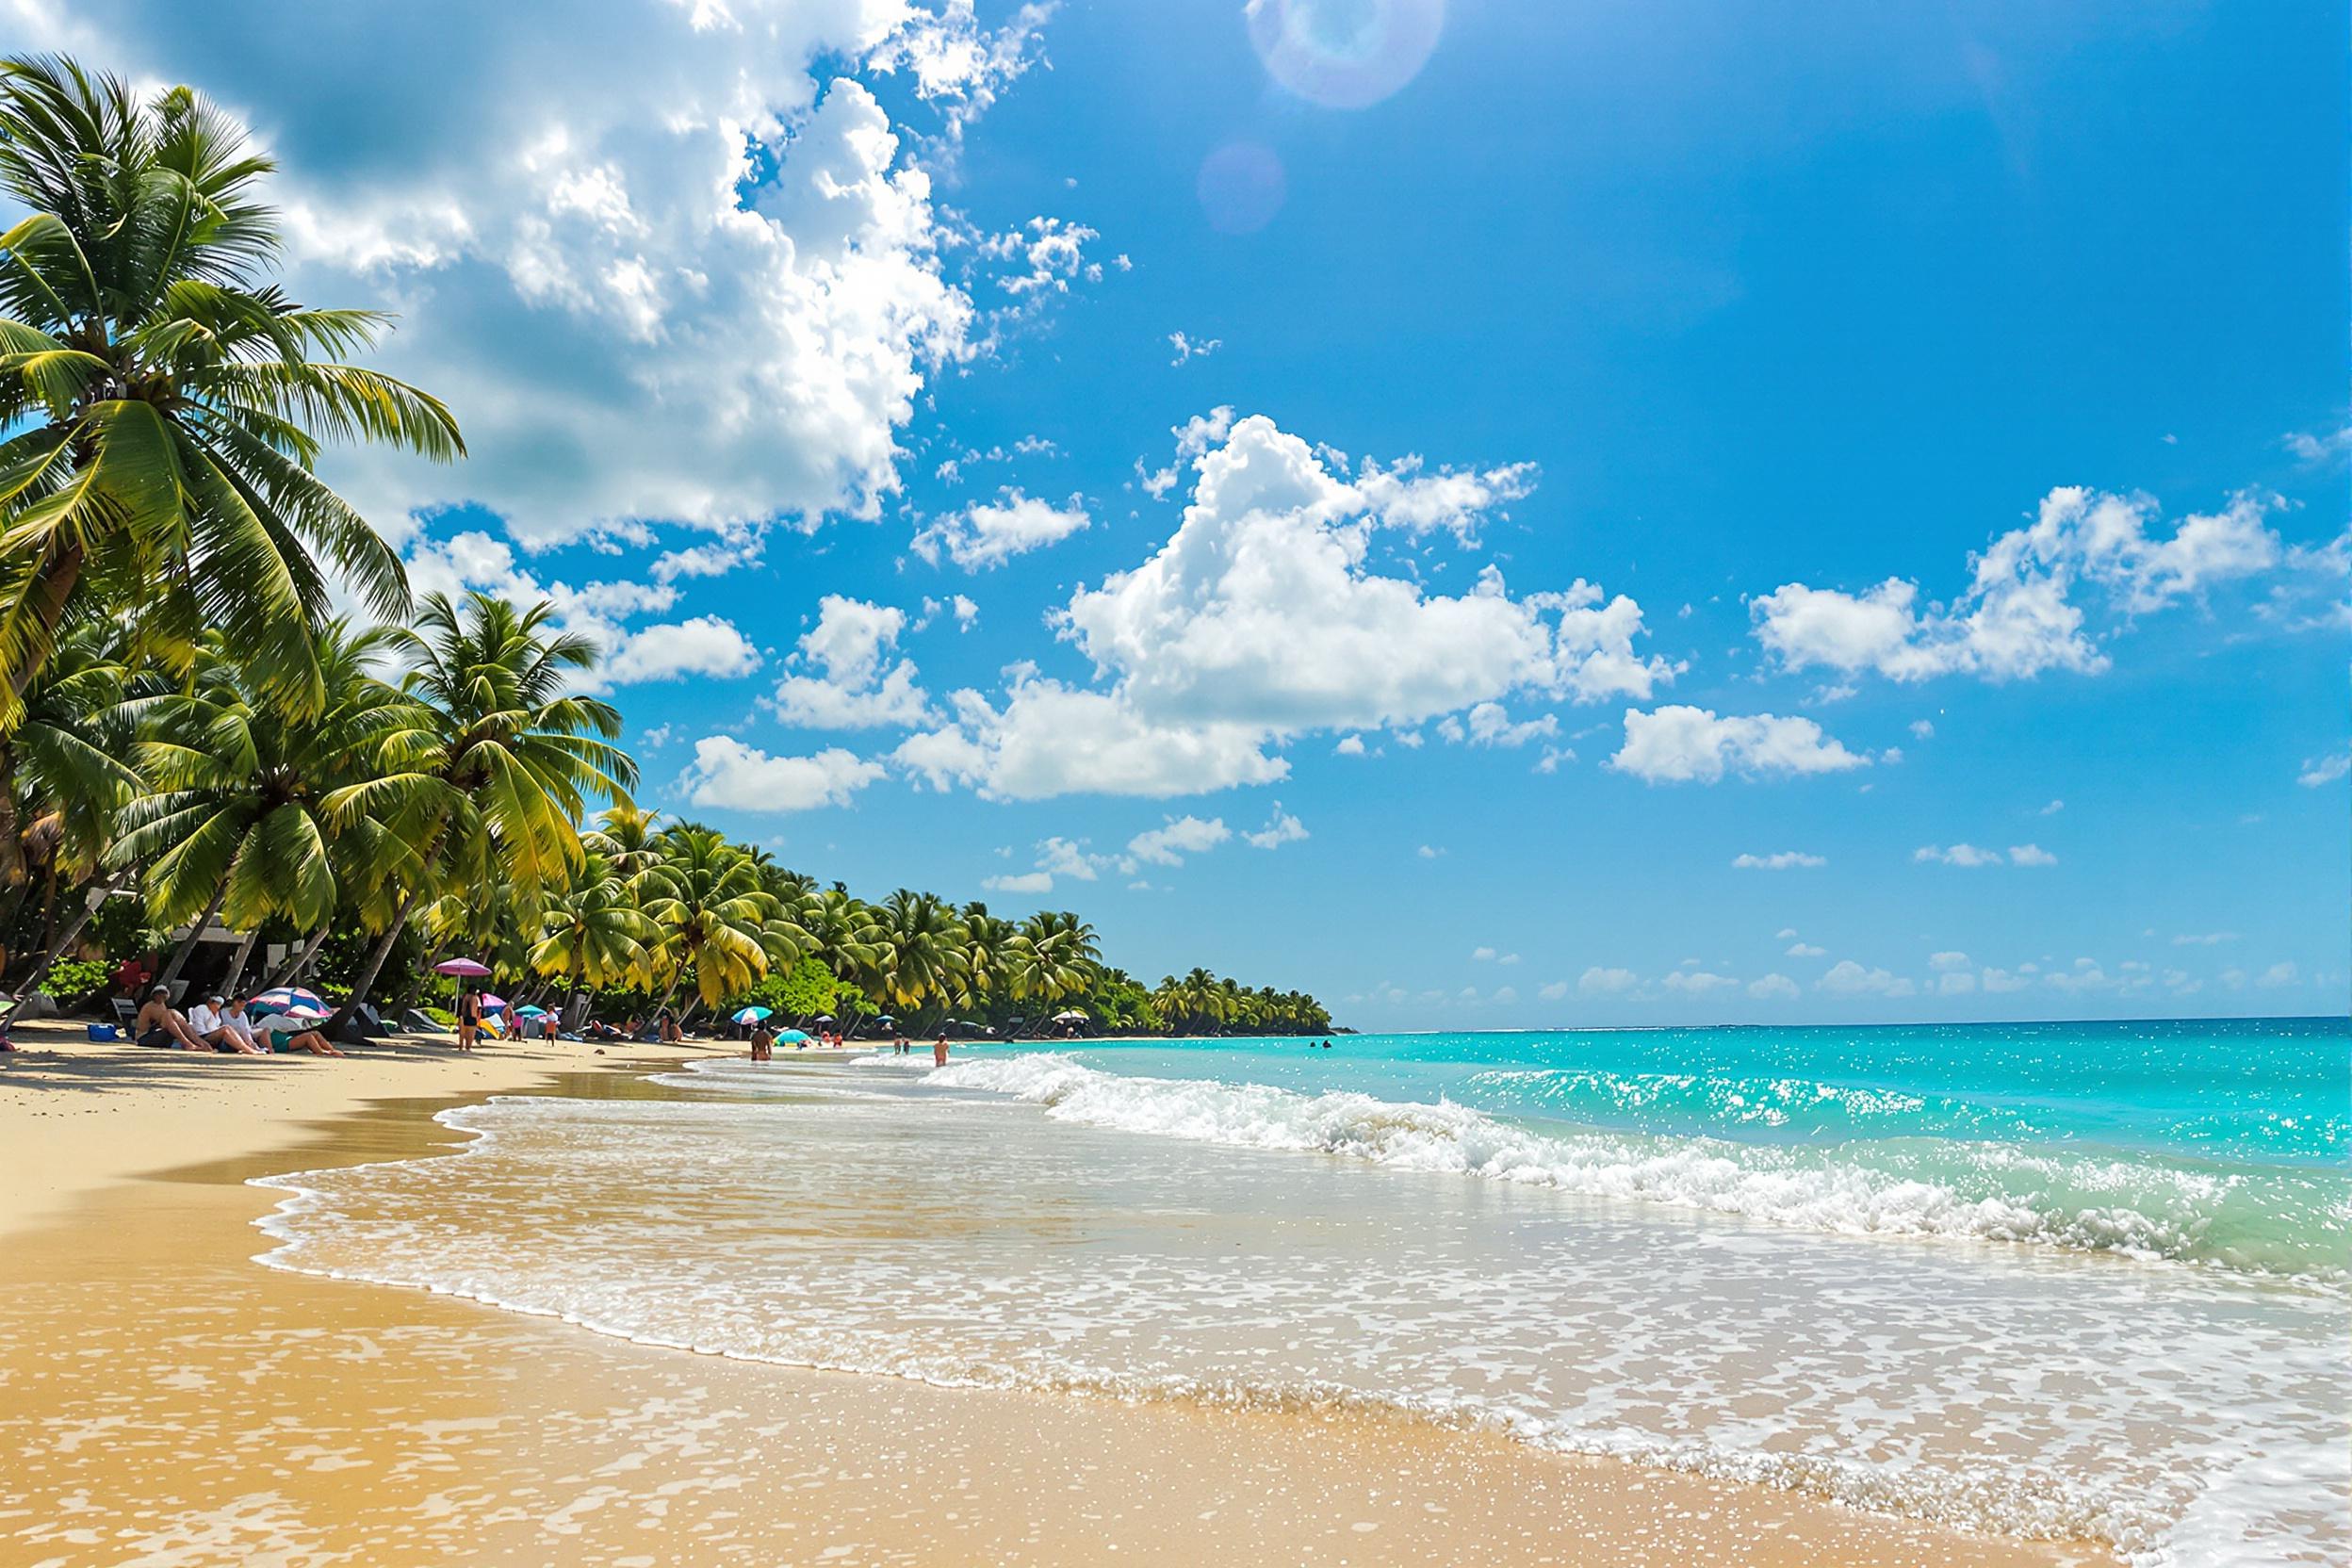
(132, 1234)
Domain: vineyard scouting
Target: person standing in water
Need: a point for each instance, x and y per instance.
(762, 1043)
(938, 1052)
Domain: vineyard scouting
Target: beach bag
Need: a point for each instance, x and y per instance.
(104, 1032)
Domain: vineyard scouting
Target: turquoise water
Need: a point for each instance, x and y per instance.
(2227, 1141)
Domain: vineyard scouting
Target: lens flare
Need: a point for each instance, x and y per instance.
(1344, 54)
(1241, 187)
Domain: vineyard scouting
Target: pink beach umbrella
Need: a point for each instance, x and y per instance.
(493, 1004)
(465, 967)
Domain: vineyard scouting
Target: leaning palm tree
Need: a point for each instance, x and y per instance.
(491, 779)
(164, 400)
(710, 916)
(593, 934)
(923, 949)
(235, 821)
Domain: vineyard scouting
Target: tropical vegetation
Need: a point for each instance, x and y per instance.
(192, 739)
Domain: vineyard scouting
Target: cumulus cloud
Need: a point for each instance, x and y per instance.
(988, 534)
(1970, 855)
(1168, 844)
(1188, 346)
(2204, 938)
(1056, 856)
(856, 685)
(676, 263)
(1699, 982)
(703, 645)
(1773, 988)
(1807, 950)
(1262, 618)
(1848, 978)
(1598, 981)
(1786, 859)
(2017, 616)
(1489, 725)
(1679, 744)
(728, 773)
(1280, 829)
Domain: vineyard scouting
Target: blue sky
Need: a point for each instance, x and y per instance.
(1687, 513)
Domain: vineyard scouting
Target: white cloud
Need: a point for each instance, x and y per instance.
(988, 534)
(1848, 978)
(675, 264)
(1482, 954)
(1677, 743)
(2030, 854)
(1597, 981)
(726, 772)
(2053, 808)
(1699, 982)
(1784, 932)
(2277, 975)
(2204, 938)
(2325, 770)
(1773, 988)
(1956, 983)
(2017, 617)
(1807, 950)
(1050, 740)
(856, 685)
(2002, 980)
(1428, 852)
(1167, 845)
(1923, 729)
(1958, 855)
(1192, 347)
(1489, 725)
(1281, 828)
(703, 645)
(1057, 857)
(1261, 620)
(1349, 746)
(1946, 962)
(1020, 882)
(2324, 447)
(1786, 859)
(1554, 991)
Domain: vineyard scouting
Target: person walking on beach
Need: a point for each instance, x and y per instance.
(938, 1052)
(468, 1018)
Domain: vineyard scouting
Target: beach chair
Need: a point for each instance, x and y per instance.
(125, 1012)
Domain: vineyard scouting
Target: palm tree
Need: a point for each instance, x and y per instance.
(710, 915)
(994, 960)
(236, 821)
(847, 938)
(593, 934)
(494, 773)
(166, 402)
(923, 948)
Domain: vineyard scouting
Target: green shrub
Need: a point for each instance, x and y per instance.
(441, 1016)
(71, 979)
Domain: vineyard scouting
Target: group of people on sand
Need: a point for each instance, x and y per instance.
(222, 1024)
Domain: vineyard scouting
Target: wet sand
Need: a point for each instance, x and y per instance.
(168, 1400)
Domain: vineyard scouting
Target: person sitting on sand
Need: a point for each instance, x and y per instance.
(285, 1032)
(209, 1022)
(159, 1024)
(468, 1018)
(671, 1034)
(762, 1043)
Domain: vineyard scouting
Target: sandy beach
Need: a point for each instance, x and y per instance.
(174, 1402)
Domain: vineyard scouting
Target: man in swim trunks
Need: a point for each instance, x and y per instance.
(159, 1024)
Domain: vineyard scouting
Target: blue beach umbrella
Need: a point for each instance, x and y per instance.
(753, 1014)
(531, 1012)
(790, 1037)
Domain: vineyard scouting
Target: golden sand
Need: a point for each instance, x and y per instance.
(164, 1399)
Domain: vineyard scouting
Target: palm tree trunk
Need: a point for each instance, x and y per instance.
(195, 934)
(667, 990)
(57, 586)
(375, 964)
(65, 940)
(236, 965)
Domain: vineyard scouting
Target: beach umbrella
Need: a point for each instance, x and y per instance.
(461, 966)
(287, 998)
(753, 1014)
(531, 1012)
(791, 1037)
(884, 1018)
(824, 1018)
(493, 1004)
(1073, 1016)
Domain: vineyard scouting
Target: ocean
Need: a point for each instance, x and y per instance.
(2049, 1279)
